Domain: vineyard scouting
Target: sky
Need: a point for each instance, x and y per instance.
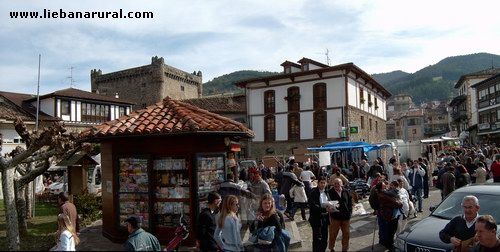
(222, 36)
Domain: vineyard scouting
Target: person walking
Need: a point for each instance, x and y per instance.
(405, 200)
(460, 230)
(495, 168)
(388, 205)
(207, 223)
(416, 179)
(318, 215)
(424, 164)
(299, 195)
(286, 185)
(463, 178)
(448, 181)
(227, 232)
(341, 218)
(69, 209)
(479, 174)
(66, 237)
(139, 239)
(307, 176)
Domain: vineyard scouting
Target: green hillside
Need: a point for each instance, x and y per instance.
(225, 83)
(435, 82)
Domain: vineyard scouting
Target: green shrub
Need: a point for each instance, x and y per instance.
(88, 206)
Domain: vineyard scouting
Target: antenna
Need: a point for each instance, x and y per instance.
(71, 77)
(327, 56)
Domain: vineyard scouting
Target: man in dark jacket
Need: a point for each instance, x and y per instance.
(388, 203)
(286, 185)
(462, 227)
(139, 239)
(318, 215)
(341, 218)
(207, 223)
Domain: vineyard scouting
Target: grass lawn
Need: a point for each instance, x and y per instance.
(41, 228)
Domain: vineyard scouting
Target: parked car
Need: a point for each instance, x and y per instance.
(58, 186)
(424, 235)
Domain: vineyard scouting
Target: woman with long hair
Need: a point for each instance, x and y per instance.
(227, 233)
(267, 216)
(66, 237)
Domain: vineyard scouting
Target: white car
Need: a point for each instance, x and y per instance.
(58, 186)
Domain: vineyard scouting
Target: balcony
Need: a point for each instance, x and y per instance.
(458, 115)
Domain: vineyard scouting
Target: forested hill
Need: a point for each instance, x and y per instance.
(435, 82)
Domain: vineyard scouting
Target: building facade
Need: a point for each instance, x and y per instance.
(149, 84)
(77, 109)
(311, 104)
(463, 106)
(488, 106)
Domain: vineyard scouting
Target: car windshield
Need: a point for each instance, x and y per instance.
(452, 205)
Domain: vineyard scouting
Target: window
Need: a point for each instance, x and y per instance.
(294, 126)
(370, 120)
(65, 110)
(361, 94)
(483, 94)
(293, 98)
(95, 112)
(269, 129)
(376, 126)
(319, 119)
(121, 112)
(182, 88)
(319, 96)
(269, 101)
(362, 122)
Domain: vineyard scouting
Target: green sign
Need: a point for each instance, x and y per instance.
(354, 129)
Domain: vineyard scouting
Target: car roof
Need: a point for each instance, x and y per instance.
(493, 188)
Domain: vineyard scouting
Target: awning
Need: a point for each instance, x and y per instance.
(79, 158)
(347, 145)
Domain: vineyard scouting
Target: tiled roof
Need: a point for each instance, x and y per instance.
(168, 117)
(220, 104)
(77, 93)
(18, 107)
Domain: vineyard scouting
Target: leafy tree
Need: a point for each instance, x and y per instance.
(42, 146)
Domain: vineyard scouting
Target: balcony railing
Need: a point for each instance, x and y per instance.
(458, 115)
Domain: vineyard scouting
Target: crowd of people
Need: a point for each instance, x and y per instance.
(258, 200)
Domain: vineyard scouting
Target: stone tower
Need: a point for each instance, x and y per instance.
(146, 85)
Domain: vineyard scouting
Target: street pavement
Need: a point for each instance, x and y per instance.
(362, 229)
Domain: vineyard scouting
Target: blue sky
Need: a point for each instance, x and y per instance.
(222, 36)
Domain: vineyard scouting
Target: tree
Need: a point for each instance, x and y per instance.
(41, 147)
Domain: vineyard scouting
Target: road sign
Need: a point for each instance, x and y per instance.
(354, 129)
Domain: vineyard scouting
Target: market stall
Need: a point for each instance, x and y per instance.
(160, 163)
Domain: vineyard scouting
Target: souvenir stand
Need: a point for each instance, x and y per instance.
(160, 163)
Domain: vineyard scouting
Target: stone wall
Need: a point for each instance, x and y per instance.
(365, 134)
(148, 84)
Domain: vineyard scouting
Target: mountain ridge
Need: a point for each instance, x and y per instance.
(433, 82)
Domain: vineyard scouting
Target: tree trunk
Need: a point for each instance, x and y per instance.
(29, 200)
(21, 209)
(10, 209)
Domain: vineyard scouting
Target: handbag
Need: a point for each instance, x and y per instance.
(465, 246)
(263, 236)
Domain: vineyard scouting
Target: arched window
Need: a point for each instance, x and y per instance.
(269, 129)
(294, 127)
(319, 95)
(293, 98)
(269, 101)
(319, 119)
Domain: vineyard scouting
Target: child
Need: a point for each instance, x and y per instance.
(298, 193)
(66, 237)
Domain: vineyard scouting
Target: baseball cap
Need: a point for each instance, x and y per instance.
(133, 220)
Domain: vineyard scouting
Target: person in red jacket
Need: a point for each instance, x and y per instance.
(495, 169)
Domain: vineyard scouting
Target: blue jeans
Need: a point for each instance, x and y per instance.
(417, 193)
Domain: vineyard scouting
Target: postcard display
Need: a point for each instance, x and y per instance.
(172, 191)
(133, 189)
(210, 175)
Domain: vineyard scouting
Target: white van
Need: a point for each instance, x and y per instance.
(94, 180)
